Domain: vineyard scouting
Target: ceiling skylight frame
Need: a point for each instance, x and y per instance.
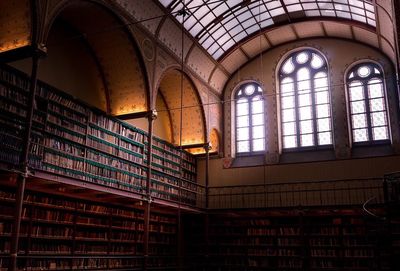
(219, 25)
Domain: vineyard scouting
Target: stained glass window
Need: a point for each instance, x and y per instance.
(305, 101)
(367, 104)
(250, 127)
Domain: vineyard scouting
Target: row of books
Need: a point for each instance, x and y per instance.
(73, 128)
(56, 225)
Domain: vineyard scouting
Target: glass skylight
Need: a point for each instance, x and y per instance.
(220, 24)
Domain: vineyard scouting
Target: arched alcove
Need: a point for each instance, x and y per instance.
(92, 56)
(182, 106)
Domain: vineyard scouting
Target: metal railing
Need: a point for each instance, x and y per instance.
(304, 193)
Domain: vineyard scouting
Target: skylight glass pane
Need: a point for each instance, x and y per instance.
(196, 29)
(359, 18)
(288, 2)
(273, 4)
(218, 10)
(214, 47)
(227, 44)
(207, 19)
(244, 16)
(293, 8)
(218, 53)
(266, 23)
(327, 12)
(248, 23)
(345, 15)
(239, 36)
(340, 7)
(255, 14)
(251, 30)
(190, 21)
(325, 5)
(165, 3)
(277, 12)
(233, 3)
(310, 6)
(311, 13)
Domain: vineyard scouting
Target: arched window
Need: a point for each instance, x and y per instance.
(367, 104)
(250, 128)
(305, 101)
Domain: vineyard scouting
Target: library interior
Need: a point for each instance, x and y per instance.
(205, 135)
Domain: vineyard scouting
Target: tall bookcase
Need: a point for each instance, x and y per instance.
(75, 145)
(60, 233)
(72, 139)
(281, 239)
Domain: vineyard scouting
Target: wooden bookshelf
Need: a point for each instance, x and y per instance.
(60, 232)
(77, 141)
(312, 239)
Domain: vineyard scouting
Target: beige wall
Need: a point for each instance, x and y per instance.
(359, 168)
(70, 67)
(343, 162)
(340, 54)
(162, 125)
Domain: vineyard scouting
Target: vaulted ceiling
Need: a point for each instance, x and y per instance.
(219, 36)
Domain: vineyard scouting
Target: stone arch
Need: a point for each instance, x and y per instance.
(119, 65)
(186, 104)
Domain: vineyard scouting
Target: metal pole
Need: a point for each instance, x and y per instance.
(151, 117)
(24, 160)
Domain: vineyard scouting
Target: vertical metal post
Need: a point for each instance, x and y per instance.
(24, 160)
(207, 149)
(151, 117)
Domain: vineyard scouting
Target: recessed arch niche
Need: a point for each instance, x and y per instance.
(99, 53)
(177, 104)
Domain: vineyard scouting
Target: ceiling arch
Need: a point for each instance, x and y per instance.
(184, 107)
(115, 50)
(15, 24)
(220, 25)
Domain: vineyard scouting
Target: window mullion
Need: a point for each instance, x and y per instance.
(367, 109)
(314, 108)
(297, 108)
(250, 101)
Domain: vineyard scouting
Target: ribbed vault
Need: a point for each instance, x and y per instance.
(113, 48)
(185, 104)
(15, 24)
